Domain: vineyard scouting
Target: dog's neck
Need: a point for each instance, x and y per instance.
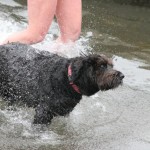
(74, 86)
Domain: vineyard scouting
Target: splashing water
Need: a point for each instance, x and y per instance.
(17, 122)
(104, 118)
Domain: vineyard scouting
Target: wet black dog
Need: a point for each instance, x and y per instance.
(50, 83)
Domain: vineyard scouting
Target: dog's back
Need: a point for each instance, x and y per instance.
(23, 69)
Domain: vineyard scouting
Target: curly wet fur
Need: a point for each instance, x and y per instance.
(40, 79)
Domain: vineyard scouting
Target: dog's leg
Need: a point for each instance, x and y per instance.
(43, 114)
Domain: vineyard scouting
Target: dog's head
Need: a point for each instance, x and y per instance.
(93, 73)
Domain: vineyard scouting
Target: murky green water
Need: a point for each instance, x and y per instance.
(112, 120)
(118, 29)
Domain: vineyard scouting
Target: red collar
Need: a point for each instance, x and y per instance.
(74, 86)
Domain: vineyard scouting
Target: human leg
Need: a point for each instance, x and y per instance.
(69, 17)
(40, 16)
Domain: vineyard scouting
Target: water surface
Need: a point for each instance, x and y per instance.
(114, 120)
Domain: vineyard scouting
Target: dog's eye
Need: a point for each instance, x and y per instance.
(103, 66)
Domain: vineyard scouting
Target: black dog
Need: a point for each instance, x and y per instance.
(52, 84)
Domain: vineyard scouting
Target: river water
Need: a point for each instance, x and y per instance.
(114, 120)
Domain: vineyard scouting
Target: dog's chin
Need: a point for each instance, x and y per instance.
(111, 85)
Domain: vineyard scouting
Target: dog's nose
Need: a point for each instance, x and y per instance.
(121, 75)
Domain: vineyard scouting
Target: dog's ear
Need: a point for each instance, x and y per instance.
(76, 68)
(80, 65)
(91, 60)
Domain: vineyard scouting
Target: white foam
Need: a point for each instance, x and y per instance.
(9, 3)
(8, 27)
(69, 49)
(134, 76)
